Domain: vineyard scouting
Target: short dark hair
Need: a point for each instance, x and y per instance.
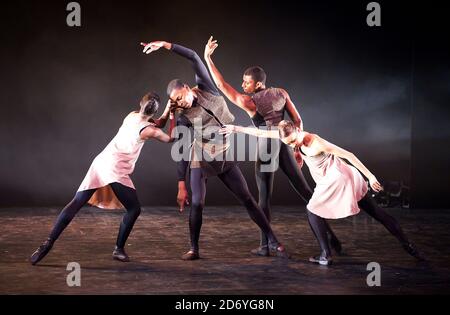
(257, 73)
(175, 84)
(150, 103)
(286, 128)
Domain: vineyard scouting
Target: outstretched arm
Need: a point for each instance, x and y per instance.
(243, 101)
(321, 145)
(154, 132)
(292, 111)
(182, 168)
(202, 77)
(228, 129)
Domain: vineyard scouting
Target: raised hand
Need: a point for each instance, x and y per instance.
(154, 46)
(210, 47)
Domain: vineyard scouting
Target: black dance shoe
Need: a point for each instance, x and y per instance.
(120, 255)
(413, 251)
(191, 255)
(41, 252)
(321, 260)
(261, 251)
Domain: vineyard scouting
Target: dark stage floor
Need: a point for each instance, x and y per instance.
(161, 236)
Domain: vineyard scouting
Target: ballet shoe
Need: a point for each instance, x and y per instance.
(120, 255)
(262, 250)
(41, 252)
(322, 260)
(191, 255)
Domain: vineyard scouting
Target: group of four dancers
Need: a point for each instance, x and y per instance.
(340, 189)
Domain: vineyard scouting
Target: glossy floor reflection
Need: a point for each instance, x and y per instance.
(160, 237)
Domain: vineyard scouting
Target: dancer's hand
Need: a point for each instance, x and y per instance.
(227, 129)
(210, 47)
(375, 184)
(182, 197)
(154, 46)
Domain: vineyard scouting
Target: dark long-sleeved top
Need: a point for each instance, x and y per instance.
(204, 82)
(202, 77)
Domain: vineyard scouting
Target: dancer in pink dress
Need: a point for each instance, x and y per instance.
(107, 183)
(341, 190)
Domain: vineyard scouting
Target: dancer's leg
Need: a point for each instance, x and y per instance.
(128, 197)
(264, 182)
(69, 212)
(319, 228)
(198, 190)
(370, 206)
(235, 182)
(289, 166)
(63, 220)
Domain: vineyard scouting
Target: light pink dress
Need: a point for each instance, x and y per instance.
(339, 187)
(115, 163)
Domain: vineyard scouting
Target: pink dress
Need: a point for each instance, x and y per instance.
(115, 163)
(339, 187)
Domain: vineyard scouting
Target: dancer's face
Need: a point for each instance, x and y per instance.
(183, 97)
(292, 140)
(249, 85)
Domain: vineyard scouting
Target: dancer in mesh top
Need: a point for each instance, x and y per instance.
(204, 104)
(266, 108)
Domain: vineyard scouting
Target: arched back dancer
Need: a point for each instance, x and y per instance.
(341, 191)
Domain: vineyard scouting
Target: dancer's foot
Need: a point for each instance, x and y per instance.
(191, 255)
(413, 251)
(322, 259)
(120, 255)
(280, 251)
(41, 252)
(262, 250)
(335, 244)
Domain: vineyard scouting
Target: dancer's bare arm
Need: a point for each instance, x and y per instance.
(292, 111)
(228, 129)
(154, 132)
(321, 145)
(243, 101)
(162, 120)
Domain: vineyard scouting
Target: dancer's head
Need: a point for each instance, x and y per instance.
(290, 134)
(180, 93)
(254, 79)
(149, 104)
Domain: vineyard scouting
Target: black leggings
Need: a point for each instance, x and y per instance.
(289, 166)
(369, 205)
(126, 195)
(236, 183)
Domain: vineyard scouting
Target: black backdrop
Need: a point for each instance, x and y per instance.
(380, 92)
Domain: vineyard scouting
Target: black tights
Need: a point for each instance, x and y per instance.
(126, 195)
(289, 166)
(236, 183)
(367, 204)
